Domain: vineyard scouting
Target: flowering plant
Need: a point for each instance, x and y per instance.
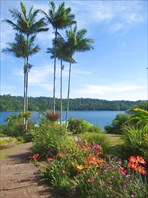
(110, 179)
(34, 157)
(137, 164)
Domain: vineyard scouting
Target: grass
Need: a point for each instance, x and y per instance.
(114, 139)
(6, 144)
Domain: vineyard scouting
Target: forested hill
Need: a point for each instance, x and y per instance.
(15, 103)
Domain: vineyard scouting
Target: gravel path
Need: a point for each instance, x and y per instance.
(19, 178)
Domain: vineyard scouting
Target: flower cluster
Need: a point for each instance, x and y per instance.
(35, 156)
(95, 148)
(137, 164)
(93, 160)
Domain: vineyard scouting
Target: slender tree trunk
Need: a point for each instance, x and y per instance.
(68, 94)
(26, 124)
(61, 94)
(24, 91)
(26, 86)
(54, 79)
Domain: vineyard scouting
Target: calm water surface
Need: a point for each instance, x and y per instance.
(100, 118)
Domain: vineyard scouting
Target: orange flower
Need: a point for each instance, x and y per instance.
(132, 159)
(101, 160)
(49, 126)
(141, 170)
(89, 180)
(60, 155)
(50, 159)
(135, 164)
(141, 160)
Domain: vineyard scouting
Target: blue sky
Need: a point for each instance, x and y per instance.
(114, 70)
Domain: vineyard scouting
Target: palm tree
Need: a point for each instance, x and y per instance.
(62, 55)
(22, 48)
(59, 19)
(26, 25)
(76, 42)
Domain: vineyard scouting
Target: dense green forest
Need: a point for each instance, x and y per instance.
(15, 103)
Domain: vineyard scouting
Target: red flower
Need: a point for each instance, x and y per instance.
(35, 156)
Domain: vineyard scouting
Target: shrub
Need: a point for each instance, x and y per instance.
(135, 140)
(15, 126)
(82, 172)
(138, 117)
(7, 142)
(112, 178)
(117, 124)
(46, 138)
(95, 138)
(51, 116)
(80, 126)
(95, 129)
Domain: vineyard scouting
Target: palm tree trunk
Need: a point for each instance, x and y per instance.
(26, 104)
(61, 94)
(68, 94)
(26, 86)
(54, 79)
(24, 92)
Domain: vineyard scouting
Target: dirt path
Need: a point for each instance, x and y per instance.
(19, 178)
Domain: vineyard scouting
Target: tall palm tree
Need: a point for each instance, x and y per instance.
(62, 53)
(76, 42)
(23, 48)
(59, 18)
(27, 26)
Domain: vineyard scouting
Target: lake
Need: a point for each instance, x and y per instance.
(100, 118)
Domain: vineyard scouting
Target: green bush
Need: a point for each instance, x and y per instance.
(15, 127)
(46, 137)
(95, 138)
(116, 126)
(144, 148)
(135, 140)
(94, 129)
(81, 126)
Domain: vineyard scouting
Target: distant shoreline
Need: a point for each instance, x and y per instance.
(15, 103)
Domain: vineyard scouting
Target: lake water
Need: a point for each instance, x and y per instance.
(100, 118)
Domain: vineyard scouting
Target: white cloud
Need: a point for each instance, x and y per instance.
(114, 92)
(117, 15)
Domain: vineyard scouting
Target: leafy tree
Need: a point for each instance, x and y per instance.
(59, 18)
(143, 105)
(28, 27)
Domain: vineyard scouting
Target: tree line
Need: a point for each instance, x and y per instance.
(15, 103)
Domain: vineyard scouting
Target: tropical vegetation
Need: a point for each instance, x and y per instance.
(15, 103)
(77, 160)
(26, 27)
